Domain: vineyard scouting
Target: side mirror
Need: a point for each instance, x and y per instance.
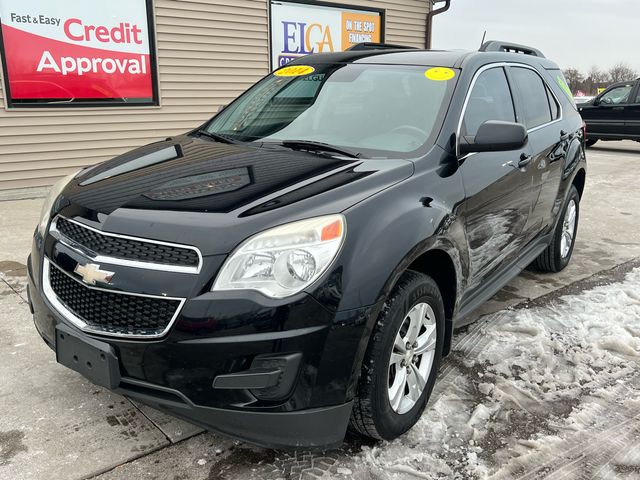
(496, 136)
(596, 102)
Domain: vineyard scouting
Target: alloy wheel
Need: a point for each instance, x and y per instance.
(412, 358)
(568, 229)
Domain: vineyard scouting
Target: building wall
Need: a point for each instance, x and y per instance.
(209, 51)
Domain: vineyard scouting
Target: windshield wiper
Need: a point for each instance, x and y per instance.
(318, 147)
(218, 137)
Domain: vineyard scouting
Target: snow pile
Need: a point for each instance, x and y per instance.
(532, 391)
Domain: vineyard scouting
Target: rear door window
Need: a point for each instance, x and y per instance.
(490, 99)
(553, 105)
(535, 97)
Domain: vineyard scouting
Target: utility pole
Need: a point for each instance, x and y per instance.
(432, 13)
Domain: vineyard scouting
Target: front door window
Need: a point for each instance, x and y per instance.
(617, 95)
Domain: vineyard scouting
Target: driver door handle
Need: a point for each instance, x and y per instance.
(524, 160)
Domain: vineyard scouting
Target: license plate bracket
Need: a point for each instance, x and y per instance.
(92, 358)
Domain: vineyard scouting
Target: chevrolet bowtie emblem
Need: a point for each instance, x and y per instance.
(91, 274)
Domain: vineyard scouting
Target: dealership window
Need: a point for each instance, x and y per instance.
(73, 53)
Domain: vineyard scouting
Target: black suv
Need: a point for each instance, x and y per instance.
(614, 114)
(297, 265)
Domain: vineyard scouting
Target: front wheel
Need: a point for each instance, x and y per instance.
(402, 360)
(590, 142)
(558, 254)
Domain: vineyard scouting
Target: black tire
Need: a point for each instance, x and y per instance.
(551, 260)
(590, 142)
(372, 414)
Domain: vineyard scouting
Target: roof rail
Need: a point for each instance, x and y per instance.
(498, 46)
(378, 46)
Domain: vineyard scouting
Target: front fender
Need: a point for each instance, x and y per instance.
(385, 235)
(390, 235)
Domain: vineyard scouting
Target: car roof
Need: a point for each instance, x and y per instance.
(441, 58)
(622, 83)
(388, 56)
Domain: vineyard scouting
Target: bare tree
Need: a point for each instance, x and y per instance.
(596, 78)
(574, 78)
(621, 72)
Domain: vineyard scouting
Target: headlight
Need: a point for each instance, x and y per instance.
(284, 260)
(49, 201)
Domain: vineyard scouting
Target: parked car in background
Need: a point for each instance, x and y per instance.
(296, 265)
(614, 114)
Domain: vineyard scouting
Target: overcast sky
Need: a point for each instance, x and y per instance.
(573, 33)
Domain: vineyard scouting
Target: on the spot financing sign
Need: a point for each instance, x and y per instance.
(77, 51)
(299, 29)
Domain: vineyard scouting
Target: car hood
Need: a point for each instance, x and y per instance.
(200, 192)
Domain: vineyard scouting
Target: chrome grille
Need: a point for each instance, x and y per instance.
(101, 311)
(121, 249)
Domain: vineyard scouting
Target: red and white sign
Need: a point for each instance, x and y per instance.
(76, 49)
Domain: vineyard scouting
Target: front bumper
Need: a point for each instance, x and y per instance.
(219, 336)
(323, 427)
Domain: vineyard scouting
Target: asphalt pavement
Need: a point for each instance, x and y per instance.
(56, 425)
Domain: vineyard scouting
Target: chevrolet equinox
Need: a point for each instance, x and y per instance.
(296, 266)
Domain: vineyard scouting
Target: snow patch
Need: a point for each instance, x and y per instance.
(524, 386)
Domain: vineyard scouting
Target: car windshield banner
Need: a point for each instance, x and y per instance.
(299, 29)
(74, 52)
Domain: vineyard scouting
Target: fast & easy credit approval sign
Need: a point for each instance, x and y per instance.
(299, 29)
(77, 51)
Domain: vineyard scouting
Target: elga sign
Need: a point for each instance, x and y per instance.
(74, 52)
(299, 29)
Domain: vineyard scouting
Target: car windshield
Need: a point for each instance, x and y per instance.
(375, 110)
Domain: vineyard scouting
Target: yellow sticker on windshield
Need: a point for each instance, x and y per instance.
(294, 71)
(440, 74)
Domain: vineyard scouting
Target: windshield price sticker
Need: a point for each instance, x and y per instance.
(294, 71)
(440, 74)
